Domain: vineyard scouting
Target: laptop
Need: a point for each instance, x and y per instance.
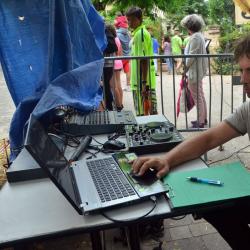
(89, 185)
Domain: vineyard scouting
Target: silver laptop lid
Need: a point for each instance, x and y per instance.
(49, 157)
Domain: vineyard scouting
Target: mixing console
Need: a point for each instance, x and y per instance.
(98, 122)
(152, 137)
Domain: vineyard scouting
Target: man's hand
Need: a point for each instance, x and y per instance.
(141, 164)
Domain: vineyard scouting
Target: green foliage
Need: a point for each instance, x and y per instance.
(227, 44)
(146, 5)
(184, 7)
(221, 12)
(155, 27)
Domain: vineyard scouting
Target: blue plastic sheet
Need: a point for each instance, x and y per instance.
(51, 55)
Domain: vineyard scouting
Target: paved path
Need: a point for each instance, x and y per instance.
(186, 233)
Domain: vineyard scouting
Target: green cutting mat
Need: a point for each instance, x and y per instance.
(184, 193)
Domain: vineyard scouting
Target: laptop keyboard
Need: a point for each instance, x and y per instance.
(110, 182)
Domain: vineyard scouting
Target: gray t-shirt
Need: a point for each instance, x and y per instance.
(240, 119)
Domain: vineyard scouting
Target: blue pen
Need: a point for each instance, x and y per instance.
(207, 181)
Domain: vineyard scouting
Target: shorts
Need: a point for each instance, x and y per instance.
(118, 65)
(125, 66)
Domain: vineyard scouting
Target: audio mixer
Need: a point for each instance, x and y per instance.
(152, 137)
(98, 122)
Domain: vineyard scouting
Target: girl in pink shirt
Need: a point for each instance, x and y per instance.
(116, 79)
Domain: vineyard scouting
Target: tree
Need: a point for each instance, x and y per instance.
(185, 7)
(146, 5)
(221, 12)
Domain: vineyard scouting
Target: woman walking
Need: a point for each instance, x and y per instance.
(196, 68)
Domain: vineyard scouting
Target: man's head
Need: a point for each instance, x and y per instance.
(176, 31)
(242, 56)
(134, 16)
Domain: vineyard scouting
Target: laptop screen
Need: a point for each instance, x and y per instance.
(49, 157)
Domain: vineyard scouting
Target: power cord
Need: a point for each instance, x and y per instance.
(152, 198)
(97, 141)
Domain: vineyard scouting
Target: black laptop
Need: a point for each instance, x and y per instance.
(89, 185)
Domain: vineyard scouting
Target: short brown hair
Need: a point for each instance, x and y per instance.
(111, 29)
(242, 48)
(135, 12)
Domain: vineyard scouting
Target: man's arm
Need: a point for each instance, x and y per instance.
(187, 150)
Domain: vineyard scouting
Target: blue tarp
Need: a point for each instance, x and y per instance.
(51, 55)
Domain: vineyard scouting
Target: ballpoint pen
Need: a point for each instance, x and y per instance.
(204, 180)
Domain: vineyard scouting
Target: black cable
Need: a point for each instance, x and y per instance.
(152, 198)
(97, 141)
(57, 136)
(92, 154)
(117, 134)
(238, 151)
(73, 137)
(98, 150)
(94, 147)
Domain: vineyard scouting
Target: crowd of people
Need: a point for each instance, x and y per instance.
(133, 38)
(141, 75)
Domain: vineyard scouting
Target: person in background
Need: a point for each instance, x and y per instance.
(121, 25)
(196, 68)
(176, 46)
(184, 44)
(166, 47)
(143, 80)
(232, 222)
(116, 79)
(155, 49)
(108, 68)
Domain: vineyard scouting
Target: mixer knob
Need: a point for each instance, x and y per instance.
(171, 129)
(144, 137)
(141, 142)
(152, 130)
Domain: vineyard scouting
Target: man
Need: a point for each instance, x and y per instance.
(232, 222)
(142, 80)
(156, 47)
(176, 46)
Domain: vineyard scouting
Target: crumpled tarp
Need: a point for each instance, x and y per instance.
(51, 55)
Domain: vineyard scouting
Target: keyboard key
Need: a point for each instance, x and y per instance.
(109, 180)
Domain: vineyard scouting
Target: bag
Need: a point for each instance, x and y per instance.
(111, 45)
(185, 101)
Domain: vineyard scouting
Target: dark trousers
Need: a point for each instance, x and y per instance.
(108, 97)
(232, 224)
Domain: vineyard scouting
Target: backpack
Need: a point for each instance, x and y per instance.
(111, 46)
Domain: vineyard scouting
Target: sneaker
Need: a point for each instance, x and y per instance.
(197, 125)
(119, 108)
(194, 122)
